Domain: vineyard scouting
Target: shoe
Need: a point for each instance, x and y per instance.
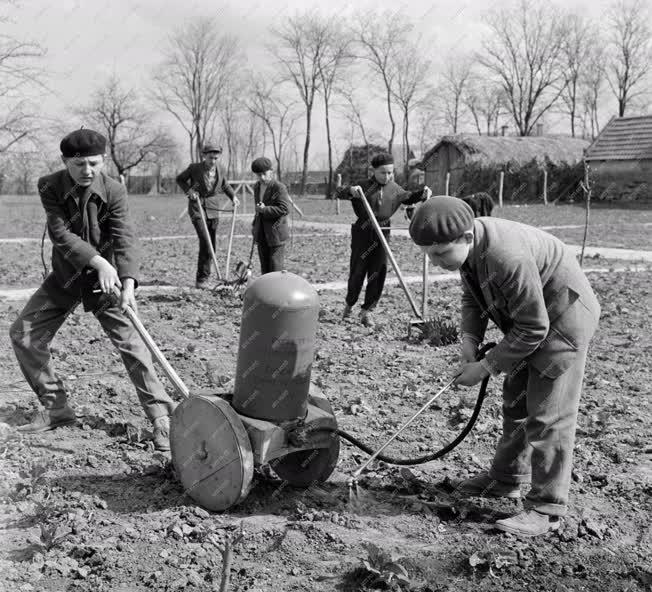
(161, 435)
(482, 485)
(365, 318)
(529, 523)
(346, 313)
(201, 285)
(45, 420)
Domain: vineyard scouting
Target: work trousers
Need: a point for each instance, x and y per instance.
(539, 423)
(368, 260)
(32, 332)
(271, 258)
(204, 259)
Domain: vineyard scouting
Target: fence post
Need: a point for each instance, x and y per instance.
(448, 182)
(337, 200)
(500, 188)
(545, 186)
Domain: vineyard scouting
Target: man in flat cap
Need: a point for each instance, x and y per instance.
(270, 225)
(532, 287)
(368, 258)
(94, 250)
(201, 182)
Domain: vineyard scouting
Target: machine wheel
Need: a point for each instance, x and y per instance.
(211, 452)
(305, 467)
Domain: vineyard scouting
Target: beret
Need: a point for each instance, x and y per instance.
(82, 143)
(441, 219)
(210, 147)
(261, 165)
(382, 159)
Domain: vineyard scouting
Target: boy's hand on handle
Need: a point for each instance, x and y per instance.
(471, 374)
(260, 207)
(107, 274)
(236, 201)
(427, 193)
(356, 191)
(193, 195)
(128, 295)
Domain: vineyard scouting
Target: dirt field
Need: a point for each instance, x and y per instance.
(91, 508)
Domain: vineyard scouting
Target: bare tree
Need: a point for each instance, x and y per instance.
(303, 40)
(574, 54)
(333, 60)
(485, 102)
(410, 89)
(523, 52)
(427, 120)
(131, 134)
(352, 110)
(379, 37)
(277, 115)
(592, 81)
(455, 79)
(630, 50)
(19, 76)
(199, 65)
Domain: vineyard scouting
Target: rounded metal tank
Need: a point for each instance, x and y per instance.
(277, 347)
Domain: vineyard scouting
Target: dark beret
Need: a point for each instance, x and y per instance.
(83, 142)
(441, 219)
(210, 147)
(261, 165)
(381, 160)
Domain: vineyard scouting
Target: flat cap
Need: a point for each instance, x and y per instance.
(382, 159)
(211, 147)
(441, 219)
(261, 165)
(82, 143)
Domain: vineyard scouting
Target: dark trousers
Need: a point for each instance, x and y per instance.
(271, 258)
(204, 260)
(33, 330)
(368, 259)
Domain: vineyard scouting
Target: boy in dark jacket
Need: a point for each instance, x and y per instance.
(201, 182)
(368, 258)
(94, 249)
(532, 287)
(270, 225)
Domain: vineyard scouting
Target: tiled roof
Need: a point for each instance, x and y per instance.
(623, 138)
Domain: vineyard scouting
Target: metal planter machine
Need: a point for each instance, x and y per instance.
(275, 415)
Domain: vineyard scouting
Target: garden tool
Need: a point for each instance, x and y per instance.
(274, 414)
(230, 246)
(420, 321)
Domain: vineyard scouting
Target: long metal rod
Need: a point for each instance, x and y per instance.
(211, 250)
(390, 255)
(424, 296)
(154, 350)
(405, 425)
(228, 250)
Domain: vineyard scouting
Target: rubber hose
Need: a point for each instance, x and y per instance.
(442, 451)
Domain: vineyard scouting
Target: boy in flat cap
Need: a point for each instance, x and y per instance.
(94, 249)
(270, 224)
(368, 258)
(534, 290)
(201, 182)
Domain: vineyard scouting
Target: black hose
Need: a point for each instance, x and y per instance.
(433, 455)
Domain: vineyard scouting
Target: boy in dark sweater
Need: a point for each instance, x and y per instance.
(532, 287)
(368, 258)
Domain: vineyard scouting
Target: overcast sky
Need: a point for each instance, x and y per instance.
(86, 41)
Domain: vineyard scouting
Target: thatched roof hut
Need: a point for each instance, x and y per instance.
(475, 162)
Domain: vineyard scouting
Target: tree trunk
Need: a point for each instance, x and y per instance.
(329, 184)
(390, 144)
(306, 151)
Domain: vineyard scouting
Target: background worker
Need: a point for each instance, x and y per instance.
(368, 258)
(202, 182)
(270, 225)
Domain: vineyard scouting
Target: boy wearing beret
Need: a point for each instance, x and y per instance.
(270, 225)
(532, 287)
(368, 258)
(94, 249)
(201, 182)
